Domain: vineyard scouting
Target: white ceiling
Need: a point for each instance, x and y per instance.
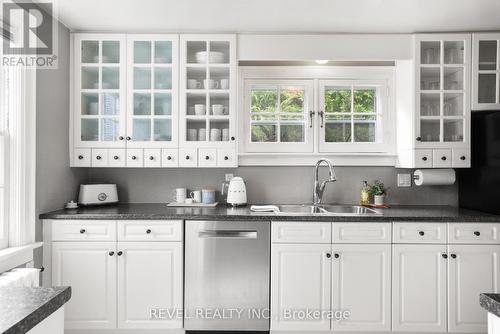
(283, 16)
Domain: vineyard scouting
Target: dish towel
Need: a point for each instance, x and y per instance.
(265, 208)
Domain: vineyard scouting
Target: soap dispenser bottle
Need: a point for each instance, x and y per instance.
(365, 194)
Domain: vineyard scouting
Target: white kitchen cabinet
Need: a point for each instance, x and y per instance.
(473, 269)
(90, 269)
(434, 102)
(207, 89)
(368, 300)
(419, 288)
(485, 71)
(300, 280)
(149, 277)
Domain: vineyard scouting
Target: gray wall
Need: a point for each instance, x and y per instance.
(285, 185)
(56, 183)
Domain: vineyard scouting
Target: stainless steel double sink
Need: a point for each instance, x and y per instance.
(327, 210)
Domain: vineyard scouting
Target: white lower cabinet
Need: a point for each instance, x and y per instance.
(362, 285)
(149, 277)
(419, 288)
(300, 281)
(473, 269)
(90, 270)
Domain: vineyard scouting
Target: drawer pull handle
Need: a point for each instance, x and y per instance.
(443, 158)
(148, 231)
(169, 158)
(419, 138)
(232, 138)
(424, 158)
(98, 157)
(477, 233)
(328, 255)
(111, 253)
(134, 157)
(453, 256)
(336, 255)
(80, 157)
(120, 138)
(226, 158)
(151, 158)
(82, 231)
(187, 157)
(422, 233)
(207, 157)
(445, 256)
(462, 158)
(116, 157)
(128, 138)
(119, 253)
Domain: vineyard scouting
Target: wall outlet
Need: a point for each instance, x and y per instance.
(228, 177)
(404, 180)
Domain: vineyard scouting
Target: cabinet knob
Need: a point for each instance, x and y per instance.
(98, 157)
(111, 253)
(226, 158)
(80, 157)
(82, 231)
(443, 158)
(424, 158)
(445, 256)
(477, 233)
(453, 256)
(134, 157)
(128, 138)
(120, 253)
(120, 138)
(462, 157)
(187, 157)
(422, 233)
(232, 138)
(419, 138)
(207, 157)
(151, 158)
(169, 158)
(116, 157)
(328, 255)
(148, 231)
(336, 255)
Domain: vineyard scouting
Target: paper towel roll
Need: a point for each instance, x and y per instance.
(434, 177)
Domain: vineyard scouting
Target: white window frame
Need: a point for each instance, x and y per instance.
(305, 147)
(348, 154)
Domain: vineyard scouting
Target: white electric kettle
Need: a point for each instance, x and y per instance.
(236, 191)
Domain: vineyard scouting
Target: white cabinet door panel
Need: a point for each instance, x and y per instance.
(419, 288)
(301, 232)
(90, 269)
(362, 284)
(300, 280)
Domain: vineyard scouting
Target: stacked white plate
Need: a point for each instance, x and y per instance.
(214, 57)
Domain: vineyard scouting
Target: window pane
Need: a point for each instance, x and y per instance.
(338, 100)
(264, 100)
(264, 133)
(292, 100)
(365, 129)
(338, 129)
(364, 100)
(292, 133)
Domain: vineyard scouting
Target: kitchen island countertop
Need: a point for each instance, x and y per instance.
(158, 211)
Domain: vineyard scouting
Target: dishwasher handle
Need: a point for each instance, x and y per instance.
(239, 234)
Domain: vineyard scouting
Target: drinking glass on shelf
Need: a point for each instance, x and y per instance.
(429, 56)
(434, 85)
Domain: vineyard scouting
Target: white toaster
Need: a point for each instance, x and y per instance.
(97, 194)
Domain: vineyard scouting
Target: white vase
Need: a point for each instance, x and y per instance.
(379, 199)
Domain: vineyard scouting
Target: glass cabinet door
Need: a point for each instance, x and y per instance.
(152, 101)
(99, 95)
(442, 94)
(487, 71)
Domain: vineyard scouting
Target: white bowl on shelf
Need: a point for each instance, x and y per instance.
(214, 57)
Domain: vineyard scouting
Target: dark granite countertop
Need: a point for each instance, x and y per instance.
(22, 308)
(490, 302)
(222, 212)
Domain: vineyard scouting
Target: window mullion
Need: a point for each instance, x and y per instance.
(352, 114)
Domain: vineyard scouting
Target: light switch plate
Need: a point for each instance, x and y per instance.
(228, 177)
(404, 180)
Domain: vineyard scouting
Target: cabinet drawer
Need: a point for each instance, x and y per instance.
(99, 157)
(169, 157)
(83, 230)
(379, 233)
(117, 157)
(441, 158)
(473, 233)
(423, 158)
(461, 158)
(135, 157)
(188, 157)
(152, 230)
(81, 157)
(152, 157)
(419, 233)
(227, 158)
(207, 157)
(301, 232)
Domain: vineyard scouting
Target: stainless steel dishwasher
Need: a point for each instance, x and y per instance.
(227, 275)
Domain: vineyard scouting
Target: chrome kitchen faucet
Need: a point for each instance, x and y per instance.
(319, 188)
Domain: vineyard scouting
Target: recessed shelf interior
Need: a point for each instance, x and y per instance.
(90, 51)
(111, 52)
(430, 78)
(454, 52)
(430, 52)
(488, 55)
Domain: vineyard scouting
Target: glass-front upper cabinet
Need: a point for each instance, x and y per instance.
(99, 95)
(152, 67)
(486, 71)
(208, 90)
(442, 89)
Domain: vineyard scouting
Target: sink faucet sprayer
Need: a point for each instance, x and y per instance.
(319, 188)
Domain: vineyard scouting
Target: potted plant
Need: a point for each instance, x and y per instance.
(379, 192)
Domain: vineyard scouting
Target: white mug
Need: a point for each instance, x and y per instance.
(218, 109)
(202, 134)
(192, 134)
(224, 84)
(193, 84)
(196, 196)
(215, 134)
(210, 84)
(179, 195)
(225, 134)
(199, 109)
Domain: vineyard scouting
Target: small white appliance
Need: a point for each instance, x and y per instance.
(236, 192)
(97, 194)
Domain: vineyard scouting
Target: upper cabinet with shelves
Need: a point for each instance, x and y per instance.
(126, 90)
(486, 71)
